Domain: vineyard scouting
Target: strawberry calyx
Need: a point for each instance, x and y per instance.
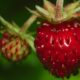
(57, 13)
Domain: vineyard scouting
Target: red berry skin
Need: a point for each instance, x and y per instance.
(0, 43)
(5, 35)
(2, 40)
(58, 46)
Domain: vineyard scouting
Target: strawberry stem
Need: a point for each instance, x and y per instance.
(28, 23)
(59, 9)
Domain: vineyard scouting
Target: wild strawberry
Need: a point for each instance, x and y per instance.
(15, 43)
(58, 46)
(14, 48)
(58, 38)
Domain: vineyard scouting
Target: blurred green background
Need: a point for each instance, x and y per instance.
(30, 68)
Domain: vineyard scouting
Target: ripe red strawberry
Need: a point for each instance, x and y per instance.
(58, 38)
(58, 46)
(14, 44)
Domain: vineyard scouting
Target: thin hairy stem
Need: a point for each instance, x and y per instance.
(28, 23)
(59, 9)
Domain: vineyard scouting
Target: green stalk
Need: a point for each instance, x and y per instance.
(59, 9)
(24, 28)
(28, 23)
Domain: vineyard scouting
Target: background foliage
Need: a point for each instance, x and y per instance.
(30, 68)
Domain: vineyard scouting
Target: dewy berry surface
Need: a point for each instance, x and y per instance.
(58, 46)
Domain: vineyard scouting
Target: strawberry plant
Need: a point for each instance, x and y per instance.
(58, 37)
(57, 41)
(15, 43)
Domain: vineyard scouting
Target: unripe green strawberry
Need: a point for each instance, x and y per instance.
(14, 48)
(15, 43)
